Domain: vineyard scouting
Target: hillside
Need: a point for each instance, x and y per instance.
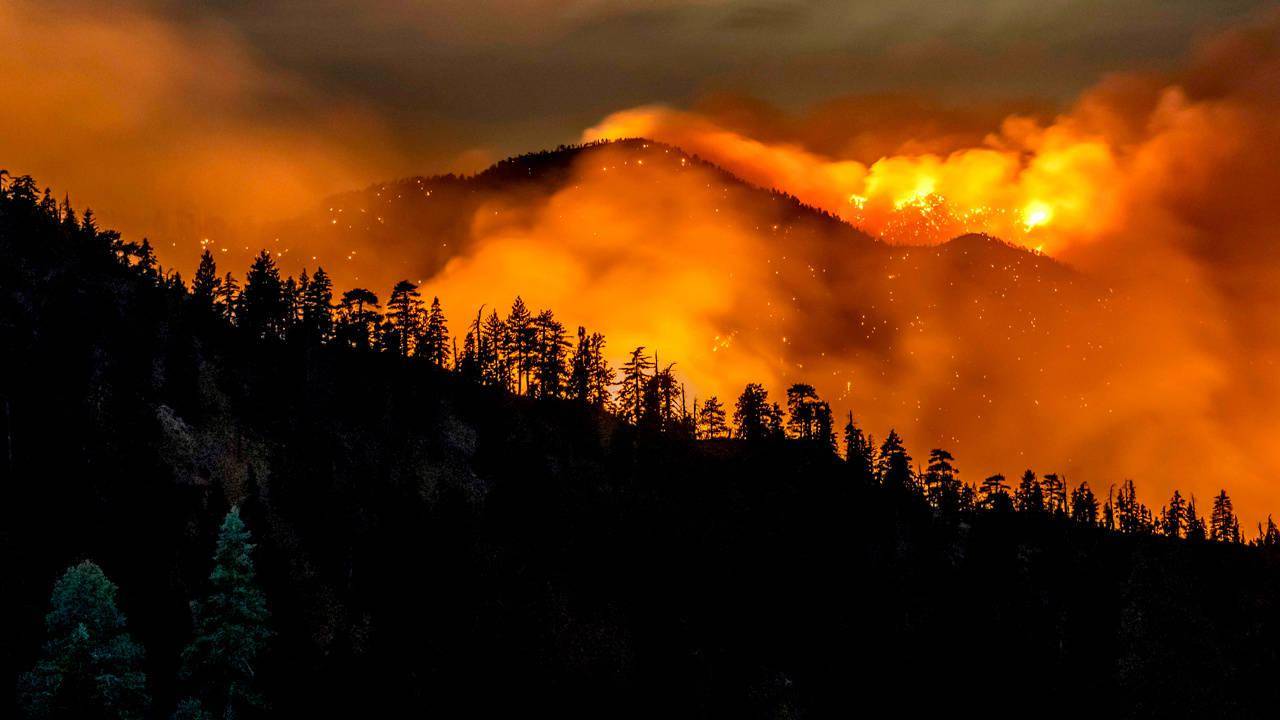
(428, 545)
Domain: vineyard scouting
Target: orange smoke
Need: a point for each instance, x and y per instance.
(1041, 187)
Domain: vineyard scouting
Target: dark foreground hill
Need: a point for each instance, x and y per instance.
(428, 546)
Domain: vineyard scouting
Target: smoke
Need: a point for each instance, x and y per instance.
(1152, 354)
(171, 131)
(1156, 361)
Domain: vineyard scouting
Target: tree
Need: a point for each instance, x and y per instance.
(631, 388)
(1223, 525)
(1268, 536)
(824, 432)
(711, 419)
(894, 466)
(262, 306)
(522, 339)
(941, 482)
(1029, 497)
(435, 337)
(752, 413)
(231, 627)
(1084, 506)
(551, 348)
(357, 318)
(206, 284)
(802, 402)
(316, 299)
(493, 351)
(404, 316)
(1173, 517)
(89, 667)
(859, 453)
(1132, 517)
(995, 494)
(228, 298)
(1054, 489)
(1196, 531)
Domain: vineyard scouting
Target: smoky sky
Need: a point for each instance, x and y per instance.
(511, 75)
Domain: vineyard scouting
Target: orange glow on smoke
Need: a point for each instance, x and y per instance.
(1042, 187)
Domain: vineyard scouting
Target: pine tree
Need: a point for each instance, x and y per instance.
(1084, 506)
(824, 431)
(357, 319)
(494, 352)
(995, 494)
(1268, 536)
(89, 667)
(580, 368)
(1054, 489)
(550, 351)
(941, 482)
(317, 307)
(262, 307)
(859, 453)
(231, 628)
(1223, 525)
(521, 343)
(435, 338)
(631, 388)
(711, 419)
(1131, 516)
(751, 413)
(404, 316)
(802, 402)
(1196, 530)
(205, 285)
(1173, 517)
(894, 466)
(228, 298)
(1029, 497)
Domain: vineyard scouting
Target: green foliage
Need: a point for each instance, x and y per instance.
(89, 667)
(231, 627)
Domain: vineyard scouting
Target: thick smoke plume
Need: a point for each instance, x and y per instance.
(1158, 190)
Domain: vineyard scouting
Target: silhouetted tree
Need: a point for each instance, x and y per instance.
(802, 402)
(1196, 529)
(403, 318)
(1132, 517)
(1268, 536)
(262, 308)
(89, 667)
(228, 298)
(859, 453)
(357, 319)
(1029, 497)
(206, 284)
(551, 348)
(231, 628)
(1054, 490)
(631, 388)
(1223, 525)
(942, 486)
(995, 494)
(751, 413)
(824, 431)
(435, 336)
(711, 419)
(1173, 517)
(522, 341)
(1084, 506)
(316, 315)
(493, 350)
(893, 467)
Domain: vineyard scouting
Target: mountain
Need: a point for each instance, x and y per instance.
(430, 545)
